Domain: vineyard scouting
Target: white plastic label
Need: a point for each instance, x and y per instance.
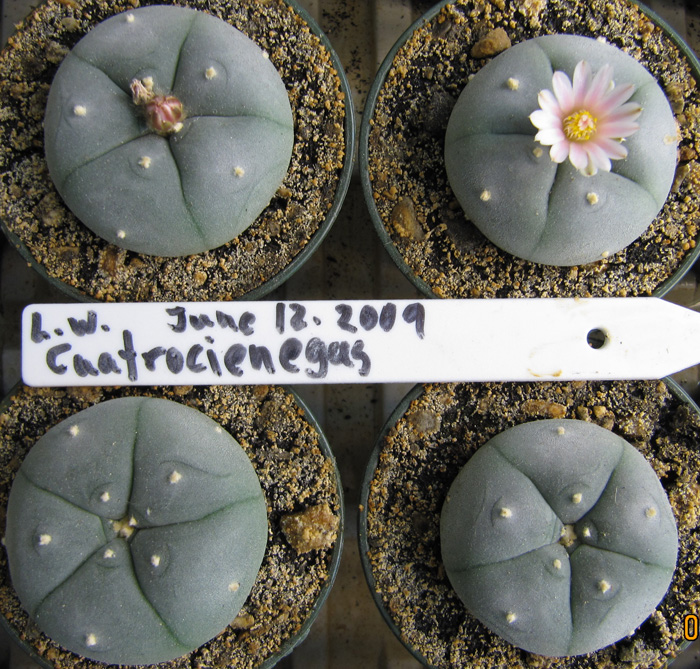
(206, 343)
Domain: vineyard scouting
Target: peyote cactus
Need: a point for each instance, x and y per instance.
(135, 531)
(526, 197)
(559, 537)
(167, 131)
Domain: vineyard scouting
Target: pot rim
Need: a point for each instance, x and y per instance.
(334, 565)
(324, 227)
(292, 642)
(372, 463)
(365, 129)
(345, 174)
(414, 393)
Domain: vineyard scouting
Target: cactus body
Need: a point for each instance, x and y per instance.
(135, 531)
(559, 537)
(517, 196)
(223, 155)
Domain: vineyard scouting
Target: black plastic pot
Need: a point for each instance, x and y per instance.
(405, 485)
(274, 645)
(258, 282)
(428, 281)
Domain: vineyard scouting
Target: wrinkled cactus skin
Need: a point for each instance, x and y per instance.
(195, 189)
(503, 550)
(188, 497)
(540, 210)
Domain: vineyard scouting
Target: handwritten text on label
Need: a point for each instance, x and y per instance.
(219, 342)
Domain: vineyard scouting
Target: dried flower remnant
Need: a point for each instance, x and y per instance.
(587, 119)
(164, 113)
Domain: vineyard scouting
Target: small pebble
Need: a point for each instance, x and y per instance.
(493, 43)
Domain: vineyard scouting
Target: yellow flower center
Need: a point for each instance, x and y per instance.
(580, 126)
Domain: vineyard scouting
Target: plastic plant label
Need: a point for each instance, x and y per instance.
(374, 341)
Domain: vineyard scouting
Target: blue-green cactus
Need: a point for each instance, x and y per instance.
(167, 131)
(559, 537)
(524, 202)
(135, 531)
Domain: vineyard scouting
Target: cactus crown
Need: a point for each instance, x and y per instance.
(558, 536)
(135, 531)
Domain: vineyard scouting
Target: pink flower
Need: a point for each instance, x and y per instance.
(586, 121)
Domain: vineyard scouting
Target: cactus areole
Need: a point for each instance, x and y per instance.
(562, 150)
(135, 531)
(559, 537)
(167, 131)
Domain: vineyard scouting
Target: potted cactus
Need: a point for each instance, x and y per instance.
(154, 526)
(197, 152)
(468, 189)
(135, 531)
(582, 488)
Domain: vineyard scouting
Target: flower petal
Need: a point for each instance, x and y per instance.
(559, 151)
(598, 157)
(616, 129)
(615, 150)
(582, 80)
(563, 92)
(590, 169)
(629, 110)
(615, 98)
(598, 87)
(550, 136)
(547, 102)
(543, 120)
(578, 155)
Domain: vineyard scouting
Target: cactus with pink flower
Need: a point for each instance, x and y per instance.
(562, 150)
